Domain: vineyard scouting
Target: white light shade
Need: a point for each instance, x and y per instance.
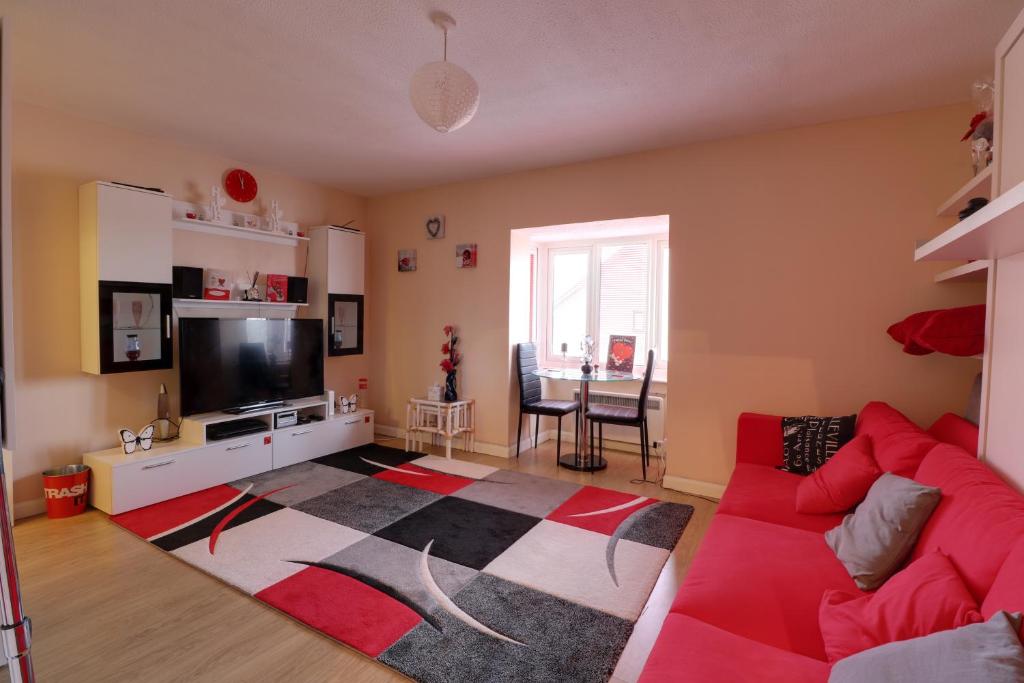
(444, 95)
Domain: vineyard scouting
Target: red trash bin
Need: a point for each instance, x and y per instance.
(66, 490)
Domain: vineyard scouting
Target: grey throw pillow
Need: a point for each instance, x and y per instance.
(873, 541)
(989, 652)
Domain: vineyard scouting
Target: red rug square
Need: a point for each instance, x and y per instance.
(343, 608)
(155, 519)
(435, 482)
(591, 499)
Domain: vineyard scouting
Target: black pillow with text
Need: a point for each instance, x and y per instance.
(809, 441)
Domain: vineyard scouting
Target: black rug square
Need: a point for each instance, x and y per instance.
(555, 640)
(204, 527)
(463, 531)
(355, 459)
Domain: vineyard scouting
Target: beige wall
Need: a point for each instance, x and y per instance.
(62, 412)
(791, 254)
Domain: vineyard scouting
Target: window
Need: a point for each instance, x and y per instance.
(605, 287)
(569, 301)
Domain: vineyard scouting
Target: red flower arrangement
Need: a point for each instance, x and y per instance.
(450, 363)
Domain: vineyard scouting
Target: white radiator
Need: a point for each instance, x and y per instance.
(655, 415)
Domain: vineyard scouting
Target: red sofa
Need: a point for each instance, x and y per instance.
(748, 608)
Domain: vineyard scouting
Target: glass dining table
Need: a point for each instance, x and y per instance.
(584, 459)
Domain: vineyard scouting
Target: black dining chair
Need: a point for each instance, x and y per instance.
(626, 417)
(531, 402)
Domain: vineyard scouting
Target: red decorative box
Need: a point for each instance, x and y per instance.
(277, 288)
(217, 293)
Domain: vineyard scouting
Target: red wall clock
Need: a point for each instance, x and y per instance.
(240, 185)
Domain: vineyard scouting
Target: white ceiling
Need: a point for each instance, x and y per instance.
(319, 88)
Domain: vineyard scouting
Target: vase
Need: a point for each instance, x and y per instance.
(450, 394)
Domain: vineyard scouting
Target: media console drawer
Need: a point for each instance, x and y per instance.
(155, 479)
(305, 442)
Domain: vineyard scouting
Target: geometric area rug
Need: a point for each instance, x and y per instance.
(441, 569)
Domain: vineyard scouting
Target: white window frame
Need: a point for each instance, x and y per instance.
(592, 247)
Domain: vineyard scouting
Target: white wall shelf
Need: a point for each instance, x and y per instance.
(975, 271)
(995, 231)
(220, 303)
(233, 231)
(228, 228)
(978, 186)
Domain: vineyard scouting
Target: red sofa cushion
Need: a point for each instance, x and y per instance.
(1007, 591)
(978, 519)
(956, 430)
(840, 483)
(769, 495)
(759, 439)
(899, 444)
(691, 650)
(762, 581)
(925, 597)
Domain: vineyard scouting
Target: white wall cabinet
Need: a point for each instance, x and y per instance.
(125, 278)
(336, 270)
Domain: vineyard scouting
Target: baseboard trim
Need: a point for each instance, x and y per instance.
(694, 486)
(29, 508)
(481, 447)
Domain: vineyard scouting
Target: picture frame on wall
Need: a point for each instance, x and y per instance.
(465, 256)
(434, 226)
(406, 260)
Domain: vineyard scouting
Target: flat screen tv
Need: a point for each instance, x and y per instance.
(239, 363)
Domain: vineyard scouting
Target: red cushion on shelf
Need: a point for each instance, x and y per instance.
(956, 331)
(904, 331)
(840, 483)
(925, 597)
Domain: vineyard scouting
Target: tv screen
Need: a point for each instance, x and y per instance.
(229, 363)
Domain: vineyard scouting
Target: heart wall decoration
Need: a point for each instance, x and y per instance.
(435, 227)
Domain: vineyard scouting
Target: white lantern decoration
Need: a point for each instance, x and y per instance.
(444, 94)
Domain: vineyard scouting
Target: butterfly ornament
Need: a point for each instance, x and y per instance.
(130, 441)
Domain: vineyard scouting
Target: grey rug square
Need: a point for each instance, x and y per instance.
(525, 493)
(368, 505)
(398, 567)
(304, 480)
(556, 640)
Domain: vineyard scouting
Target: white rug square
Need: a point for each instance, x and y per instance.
(256, 554)
(460, 468)
(572, 563)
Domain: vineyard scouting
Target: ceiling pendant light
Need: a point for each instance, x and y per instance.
(444, 94)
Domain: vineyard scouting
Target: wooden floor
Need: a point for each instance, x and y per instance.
(107, 606)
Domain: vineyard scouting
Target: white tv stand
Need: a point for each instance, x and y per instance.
(191, 463)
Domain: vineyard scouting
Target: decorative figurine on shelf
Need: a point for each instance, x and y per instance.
(216, 204)
(981, 128)
(252, 290)
(587, 347)
(130, 441)
(274, 217)
(451, 363)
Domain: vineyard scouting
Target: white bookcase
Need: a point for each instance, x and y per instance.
(336, 271)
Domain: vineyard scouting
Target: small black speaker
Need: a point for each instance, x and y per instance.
(188, 283)
(297, 287)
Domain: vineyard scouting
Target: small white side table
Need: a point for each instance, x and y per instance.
(444, 419)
